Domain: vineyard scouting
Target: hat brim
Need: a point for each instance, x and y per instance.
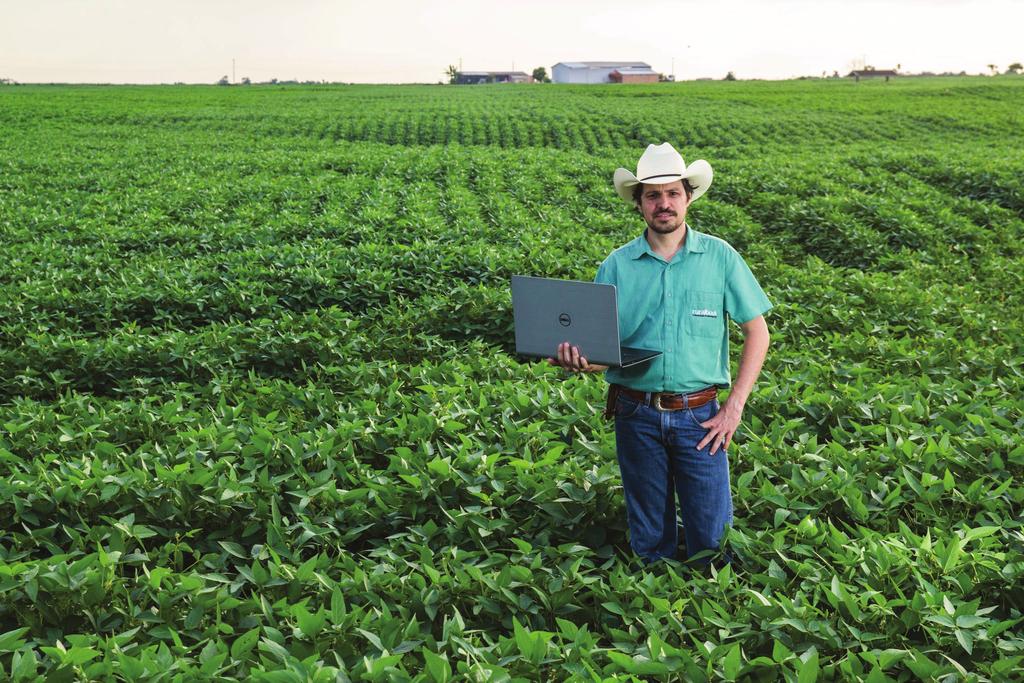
(699, 174)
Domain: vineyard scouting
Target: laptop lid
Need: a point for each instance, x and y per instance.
(548, 312)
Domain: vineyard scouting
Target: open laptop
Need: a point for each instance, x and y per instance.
(548, 312)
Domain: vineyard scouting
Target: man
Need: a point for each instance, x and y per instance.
(676, 287)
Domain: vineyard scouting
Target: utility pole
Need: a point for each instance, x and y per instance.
(232, 69)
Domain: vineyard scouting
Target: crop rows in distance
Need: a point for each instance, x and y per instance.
(733, 119)
(260, 416)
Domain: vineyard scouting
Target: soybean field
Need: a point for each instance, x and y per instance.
(261, 416)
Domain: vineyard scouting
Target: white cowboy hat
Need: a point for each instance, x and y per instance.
(662, 164)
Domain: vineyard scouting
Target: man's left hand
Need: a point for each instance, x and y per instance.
(721, 427)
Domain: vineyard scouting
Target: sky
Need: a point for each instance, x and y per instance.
(403, 41)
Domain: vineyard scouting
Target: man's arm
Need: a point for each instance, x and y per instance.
(723, 425)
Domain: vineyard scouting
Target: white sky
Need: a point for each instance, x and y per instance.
(153, 41)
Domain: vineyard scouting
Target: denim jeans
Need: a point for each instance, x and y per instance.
(659, 461)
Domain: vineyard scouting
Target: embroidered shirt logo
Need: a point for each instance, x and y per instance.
(704, 313)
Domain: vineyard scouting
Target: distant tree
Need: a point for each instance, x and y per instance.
(1015, 68)
(246, 81)
(453, 73)
(993, 68)
(540, 74)
(729, 77)
(223, 81)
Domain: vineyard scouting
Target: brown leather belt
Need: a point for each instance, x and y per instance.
(660, 400)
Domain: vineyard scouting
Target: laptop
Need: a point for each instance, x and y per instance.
(548, 312)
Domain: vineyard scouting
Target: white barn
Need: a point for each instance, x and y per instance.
(592, 72)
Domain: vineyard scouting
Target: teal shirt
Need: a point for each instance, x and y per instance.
(680, 307)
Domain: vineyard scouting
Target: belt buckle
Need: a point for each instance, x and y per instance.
(657, 404)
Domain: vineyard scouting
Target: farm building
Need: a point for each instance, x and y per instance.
(871, 72)
(599, 72)
(633, 76)
(475, 77)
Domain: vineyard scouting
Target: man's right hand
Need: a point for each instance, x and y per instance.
(569, 358)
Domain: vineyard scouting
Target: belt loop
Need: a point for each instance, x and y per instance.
(647, 399)
(686, 401)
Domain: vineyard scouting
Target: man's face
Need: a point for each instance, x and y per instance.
(664, 206)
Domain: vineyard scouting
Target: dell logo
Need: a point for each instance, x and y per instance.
(565, 320)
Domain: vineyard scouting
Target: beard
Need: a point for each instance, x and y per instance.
(665, 223)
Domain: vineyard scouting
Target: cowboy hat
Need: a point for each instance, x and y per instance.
(662, 164)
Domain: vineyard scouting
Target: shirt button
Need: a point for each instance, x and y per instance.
(669, 295)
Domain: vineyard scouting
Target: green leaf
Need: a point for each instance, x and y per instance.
(638, 668)
(378, 667)
(77, 656)
(307, 569)
(244, 643)
(234, 549)
(922, 667)
(157, 574)
(276, 650)
(808, 667)
(954, 553)
(523, 640)
(780, 652)
(966, 640)
(614, 608)
(194, 616)
(338, 607)
(372, 638)
(440, 467)
(971, 621)
(24, 665)
(533, 646)
(731, 663)
(309, 624)
(437, 666)
(11, 641)
(980, 532)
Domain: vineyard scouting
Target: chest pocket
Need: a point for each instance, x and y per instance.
(705, 314)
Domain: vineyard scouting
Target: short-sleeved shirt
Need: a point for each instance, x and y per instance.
(680, 308)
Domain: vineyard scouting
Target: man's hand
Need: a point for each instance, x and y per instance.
(569, 358)
(722, 426)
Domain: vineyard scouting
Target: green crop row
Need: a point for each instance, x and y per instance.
(572, 118)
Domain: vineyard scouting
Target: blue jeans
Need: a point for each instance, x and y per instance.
(659, 461)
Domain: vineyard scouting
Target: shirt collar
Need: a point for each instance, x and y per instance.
(694, 244)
